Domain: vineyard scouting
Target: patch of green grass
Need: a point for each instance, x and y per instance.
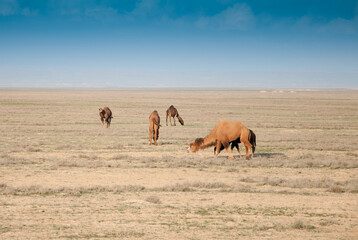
(203, 212)
(4, 229)
(170, 224)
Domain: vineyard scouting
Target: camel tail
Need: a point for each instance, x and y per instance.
(156, 123)
(252, 140)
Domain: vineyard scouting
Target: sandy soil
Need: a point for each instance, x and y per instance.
(63, 176)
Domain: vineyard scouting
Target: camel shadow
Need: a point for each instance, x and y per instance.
(256, 155)
(268, 155)
(166, 143)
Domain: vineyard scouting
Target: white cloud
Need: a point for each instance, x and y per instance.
(8, 7)
(93, 77)
(101, 13)
(11, 7)
(29, 13)
(146, 7)
(341, 25)
(335, 26)
(237, 17)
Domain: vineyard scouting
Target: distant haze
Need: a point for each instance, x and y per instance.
(187, 43)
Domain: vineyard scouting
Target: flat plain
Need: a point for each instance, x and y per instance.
(63, 176)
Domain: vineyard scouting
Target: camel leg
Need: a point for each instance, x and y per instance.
(229, 152)
(174, 121)
(238, 149)
(150, 135)
(102, 120)
(247, 148)
(217, 145)
(155, 136)
(233, 145)
(170, 119)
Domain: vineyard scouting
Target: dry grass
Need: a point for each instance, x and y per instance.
(76, 191)
(153, 199)
(300, 224)
(329, 184)
(65, 177)
(191, 186)
(6, 160)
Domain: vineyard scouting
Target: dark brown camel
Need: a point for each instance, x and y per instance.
(172, 112)
(106, 116)
(154, 124)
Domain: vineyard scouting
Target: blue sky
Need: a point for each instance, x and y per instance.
(183, 43)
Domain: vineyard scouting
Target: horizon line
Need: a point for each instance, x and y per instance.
(184, 88)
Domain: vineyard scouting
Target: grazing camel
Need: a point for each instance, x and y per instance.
(223, 133)
(154, 124)
(106, 116)
(172, 112)
(236, 142)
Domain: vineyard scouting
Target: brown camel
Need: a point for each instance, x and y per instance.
(172, 112)
(223, 133)
(235, 143)
(154, 124)
(106, 116)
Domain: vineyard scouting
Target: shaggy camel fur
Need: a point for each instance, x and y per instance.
(223, 133)
(154, 124)
(172, 112)
(106, 116)
(235, 143)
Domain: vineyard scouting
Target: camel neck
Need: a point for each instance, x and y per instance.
(208, 142)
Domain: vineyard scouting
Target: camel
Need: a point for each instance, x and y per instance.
(154, 124)
(172, 112)
(106, 116)
(223, 133)
(236, 142)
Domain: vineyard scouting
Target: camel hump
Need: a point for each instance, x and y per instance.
(154, 117)
(228, 122)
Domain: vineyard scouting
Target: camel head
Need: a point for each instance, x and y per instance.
(195, 146)
(180, 120)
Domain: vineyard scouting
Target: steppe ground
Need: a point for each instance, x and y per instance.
(63, 176)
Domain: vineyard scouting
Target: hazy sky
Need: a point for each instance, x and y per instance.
(179, 43)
